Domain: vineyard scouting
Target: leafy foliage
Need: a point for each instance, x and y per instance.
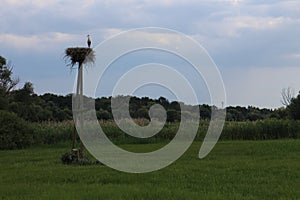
(14, 131)
(294, 108)
(7, 82)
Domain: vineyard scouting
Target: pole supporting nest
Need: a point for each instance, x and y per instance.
(80, 55)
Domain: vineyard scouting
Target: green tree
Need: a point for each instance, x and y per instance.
(142, 113)
(173, 116)
(294, 108)
(7, 83)
(15, 133)
(103, 115)
(3, 100)
(24, 94)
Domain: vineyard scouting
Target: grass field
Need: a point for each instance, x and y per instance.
(233, 170)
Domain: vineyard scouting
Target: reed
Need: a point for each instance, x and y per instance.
(55, 132)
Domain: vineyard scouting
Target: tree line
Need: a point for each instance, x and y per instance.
(28, 105)
(27, 118)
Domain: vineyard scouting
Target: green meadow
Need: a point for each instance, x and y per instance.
(267, 169)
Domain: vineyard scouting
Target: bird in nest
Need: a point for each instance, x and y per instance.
(89, 42)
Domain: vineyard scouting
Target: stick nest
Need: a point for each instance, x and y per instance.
(81, 55)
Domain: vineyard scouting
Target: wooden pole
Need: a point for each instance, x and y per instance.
(78, 55)
(77, 107)
(81, 153)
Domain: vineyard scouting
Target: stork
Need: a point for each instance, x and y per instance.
(89, 42)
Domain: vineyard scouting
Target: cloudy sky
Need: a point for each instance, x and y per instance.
(255, 44)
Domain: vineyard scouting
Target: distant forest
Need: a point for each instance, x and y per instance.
(51, 107)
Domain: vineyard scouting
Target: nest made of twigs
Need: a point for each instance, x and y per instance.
(81, 55)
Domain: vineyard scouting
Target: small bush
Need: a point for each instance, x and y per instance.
(71, 158)
(15, 133)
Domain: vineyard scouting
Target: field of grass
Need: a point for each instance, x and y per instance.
(233, 170)
(57, 132)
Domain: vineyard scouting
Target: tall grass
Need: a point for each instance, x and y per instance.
(55, 132)
(261, 130)
(52, 132)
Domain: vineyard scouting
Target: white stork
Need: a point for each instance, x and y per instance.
(89, 42)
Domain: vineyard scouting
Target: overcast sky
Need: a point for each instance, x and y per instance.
(255, 44)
